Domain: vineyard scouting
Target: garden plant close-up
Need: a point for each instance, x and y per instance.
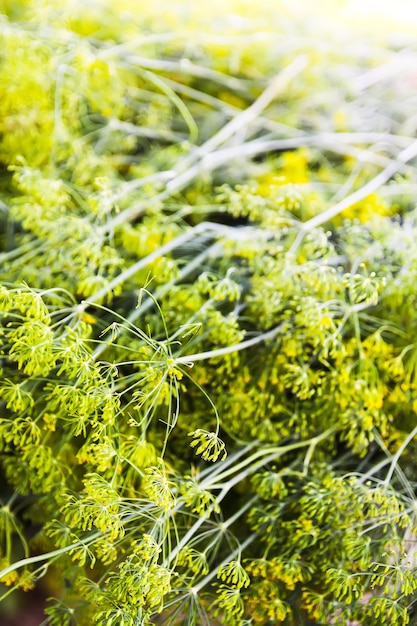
(208, 313)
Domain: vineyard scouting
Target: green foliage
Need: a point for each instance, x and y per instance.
(207, 311)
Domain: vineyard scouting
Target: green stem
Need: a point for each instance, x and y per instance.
(47, 556)
(270, 453)
(136, 267)
(197, 588)
(397, 455)
(187, 171)
(210, 354)
(192, 531)
(213, 250)
(370, 187)
(249, 115)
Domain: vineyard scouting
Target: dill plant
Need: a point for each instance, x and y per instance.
(208, 363)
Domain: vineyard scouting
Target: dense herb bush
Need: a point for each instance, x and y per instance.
(208, 362)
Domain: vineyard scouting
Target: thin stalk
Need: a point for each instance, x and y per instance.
(192, 531)
(200, 229)
(231, 110)
(385, 71)
(47, 555)
(136, 267)
(197, 588)
(265, 456)
(188, 535)
(23, 252)
(161, 291)
(322, 140)
(370, 187)
(132, 185)
(211, 354)
(220, 467)
(244, 474)
(185, 66)
(177, 102)
(188, 172)
(397, 455)
(144, 131)
(274, 451)
(247, 116)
